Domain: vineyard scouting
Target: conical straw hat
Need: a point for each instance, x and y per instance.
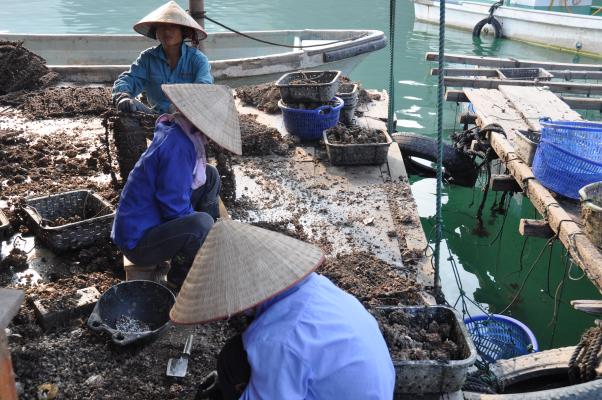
(211, 109)
(238, 267)
(168, 13)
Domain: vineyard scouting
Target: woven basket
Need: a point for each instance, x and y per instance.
(97, 218)
(591, 211)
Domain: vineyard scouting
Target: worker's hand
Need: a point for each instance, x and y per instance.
(129, 105)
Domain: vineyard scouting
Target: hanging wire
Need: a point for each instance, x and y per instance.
(440, 92)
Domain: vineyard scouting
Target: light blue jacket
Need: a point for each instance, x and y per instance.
(151, 70)
(315, 341)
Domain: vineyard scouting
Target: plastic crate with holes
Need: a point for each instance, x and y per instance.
(69, 220)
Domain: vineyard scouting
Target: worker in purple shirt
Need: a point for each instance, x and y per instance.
(171, 197)
(308, 339)
(172, 61)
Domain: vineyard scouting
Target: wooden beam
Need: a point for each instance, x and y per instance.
(578, 103)
(512, 62)
(504, 183)
(466, 72)
(581, 249)
(535, 228)
(468, 118)
(493, 73)
(486, 83)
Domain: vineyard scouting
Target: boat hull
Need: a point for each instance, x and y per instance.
(235, 60)
(569, 32)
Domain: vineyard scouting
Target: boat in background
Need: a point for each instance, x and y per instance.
(531, 21)
(235, 60)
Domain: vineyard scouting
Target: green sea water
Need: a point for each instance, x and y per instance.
(490, 267)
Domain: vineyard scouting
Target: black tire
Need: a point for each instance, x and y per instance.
(539, 364)
(497, 27)
(459, 168)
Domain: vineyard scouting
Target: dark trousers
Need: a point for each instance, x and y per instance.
(179, 240)
(233, 369)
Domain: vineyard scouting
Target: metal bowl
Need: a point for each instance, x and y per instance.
(132, 311)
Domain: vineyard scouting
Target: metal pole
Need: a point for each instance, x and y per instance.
(196, 8)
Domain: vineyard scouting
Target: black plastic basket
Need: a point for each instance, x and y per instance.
(325, 86)
(524, 74)
(357, 154)
(4, 226)
(97, 217)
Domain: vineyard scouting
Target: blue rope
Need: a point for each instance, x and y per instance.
(440, 89)
(391, 113)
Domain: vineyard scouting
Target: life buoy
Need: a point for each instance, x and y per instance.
(497, 27)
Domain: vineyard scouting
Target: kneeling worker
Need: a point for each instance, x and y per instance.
(308, 340)
(171, 197)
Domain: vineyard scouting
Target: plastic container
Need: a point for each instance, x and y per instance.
(325, 88)
(524, 74)
(525, 145)
(310, 124)
(498, 337)
(569, 156)
(96, 213)
(4, 226)
(357, 154)
(591, 211)
(431, 376)
(144, 301)
(349, 93)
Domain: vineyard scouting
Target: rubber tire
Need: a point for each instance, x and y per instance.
(537, 364)
(459, 168)
(497, 27)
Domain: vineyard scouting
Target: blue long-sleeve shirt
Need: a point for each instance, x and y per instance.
(152, 69)
(315, 341)
(158, 188)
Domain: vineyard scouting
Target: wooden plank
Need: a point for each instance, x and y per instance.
(10, 301)
(512, 62)
(487, 83)
(588, 306)
(567, 75)
(535, 102)
(457, 96)
(493, 73)
(8, 389)
(493, 108)
(535, 228)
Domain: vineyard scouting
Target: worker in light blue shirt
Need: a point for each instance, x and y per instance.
(308, 339)
(172, 61)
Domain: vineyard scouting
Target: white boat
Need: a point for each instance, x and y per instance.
(563, 30)
(235, 60)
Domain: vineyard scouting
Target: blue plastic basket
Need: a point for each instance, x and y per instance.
(498, 337)
(309, 124)
(582, 138)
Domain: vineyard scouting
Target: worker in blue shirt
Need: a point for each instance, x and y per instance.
(172, 61)
(171, 197)
(308, 339)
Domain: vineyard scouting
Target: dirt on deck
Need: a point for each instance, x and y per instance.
(20, 69)
(264, 97)
(77, 362)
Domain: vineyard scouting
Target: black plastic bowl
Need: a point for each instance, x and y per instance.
(144, 301)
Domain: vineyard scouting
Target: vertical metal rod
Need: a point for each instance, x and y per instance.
(196, 8)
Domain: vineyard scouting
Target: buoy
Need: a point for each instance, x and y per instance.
(491, 20)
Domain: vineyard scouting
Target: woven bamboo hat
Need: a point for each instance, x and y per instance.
(211, 109)
(168, 13)
(239, 267)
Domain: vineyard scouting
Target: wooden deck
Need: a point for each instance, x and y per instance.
(519, 108)
(354, 208)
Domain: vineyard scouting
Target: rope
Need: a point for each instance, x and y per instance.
(584, 361)
(391, 112)
(440, 92)
(281, 44)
